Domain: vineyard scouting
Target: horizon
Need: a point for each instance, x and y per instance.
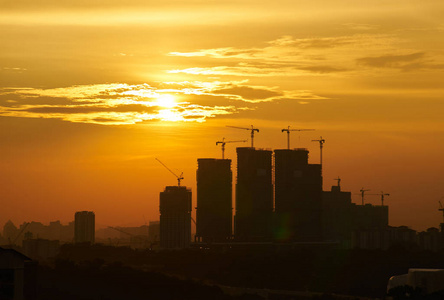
(92, 93)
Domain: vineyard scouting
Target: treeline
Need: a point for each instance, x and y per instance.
(346, 272)
(95, 280)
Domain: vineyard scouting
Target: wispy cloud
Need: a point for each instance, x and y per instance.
(108, 104)
(289, 45)
(121, 104)
(390, 61)
(405, 62)
(287, 56)
(360, 26)
(13, 70)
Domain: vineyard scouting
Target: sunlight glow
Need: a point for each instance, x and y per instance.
(169, 115)
(166, 100)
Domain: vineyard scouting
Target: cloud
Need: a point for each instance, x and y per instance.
(13, 70)
(82, 109)
(285, 56)
(122, 104)
(249, 93)
(406, 62)
(360, 26)
(227, 52)
(390, 61)
(330, 42)
(108, 104)
(86, 4)
(323, 69)
(259, 69)
(14, 99)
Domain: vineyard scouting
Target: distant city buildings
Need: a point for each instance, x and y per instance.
(175, 217)
(10, 232)
(40, 249)
(54, 231)
(214, 200)
(84, 227)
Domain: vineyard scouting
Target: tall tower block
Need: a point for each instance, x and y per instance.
(298, 196)
(254, 195)
(175, 217)
(214, 200)
(84, 227)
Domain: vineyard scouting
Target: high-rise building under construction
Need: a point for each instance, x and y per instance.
(337, 215)
(214, 200)
(254, 195)
(175, 217)
(298, 196)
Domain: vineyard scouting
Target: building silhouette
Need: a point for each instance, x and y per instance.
(298, 196)
(371, 229)
(214, 200)
(430, 239)
(40, 249)
(369, 216)
(254, 195)
(18, 276)
(10, 231)
(337, 216)
(84, 227)
(175, 217)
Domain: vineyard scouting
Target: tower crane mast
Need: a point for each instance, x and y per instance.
(178, 177)
(441, 208)
(382, 196)
(339, 181)
(287, 130)
(223, 142)
(321, 145)
(252, 129)
(362, 191)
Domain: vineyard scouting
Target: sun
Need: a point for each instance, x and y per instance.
(166, 100)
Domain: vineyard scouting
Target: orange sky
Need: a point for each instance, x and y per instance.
(91, 93)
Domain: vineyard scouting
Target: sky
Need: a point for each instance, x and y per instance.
(91, 92)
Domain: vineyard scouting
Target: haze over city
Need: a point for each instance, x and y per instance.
(92, 93)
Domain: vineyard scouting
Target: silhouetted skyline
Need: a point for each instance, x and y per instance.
(89, 96)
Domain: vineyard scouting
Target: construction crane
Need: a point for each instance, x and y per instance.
(143, 239)
(223, 142)
(441, 209)
(287, 130)
(321, 145)
(362, 191)
(252, 129)
(382, 197)
(19, 234)
(179, 177)
(120, 230)
(339, 181)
